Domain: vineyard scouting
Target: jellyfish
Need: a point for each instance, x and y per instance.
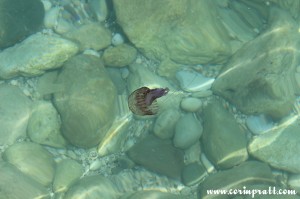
(143, 100)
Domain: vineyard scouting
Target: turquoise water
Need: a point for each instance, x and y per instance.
(132, 99)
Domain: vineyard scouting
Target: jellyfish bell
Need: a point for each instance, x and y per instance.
(143, 101)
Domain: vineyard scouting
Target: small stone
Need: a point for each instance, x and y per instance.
(193, 173)
(44, 125)
(191, 81)
(92, 35)
(67, 172)
(165, 123)
(191, 104)
(117, 39)
(119, 56)
(33, 160)
(188, 131)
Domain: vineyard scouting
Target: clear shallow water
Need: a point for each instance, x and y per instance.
(75, 130)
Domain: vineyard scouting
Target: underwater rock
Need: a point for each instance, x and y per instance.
(258, 124)
(165, 123)
(188, 131)
(18, 19)
(92, 187)
(192, 81)
(91, 36)
(15, 184)
(193, 173)
(36, 54)
(33, 160)
(119, 56)
(67, 172)
(158, 155)
(247, 173)
(294, 182)
(44, 125)
(87, 102)
(260, 76)
(186, 31)
(224, 141)
(191, 104)
(151, 194)
(279, 148)
(15, 110)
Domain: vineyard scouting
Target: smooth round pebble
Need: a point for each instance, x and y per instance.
(191, 104)
(188, 130)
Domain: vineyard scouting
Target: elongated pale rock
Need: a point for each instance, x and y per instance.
(34, 55)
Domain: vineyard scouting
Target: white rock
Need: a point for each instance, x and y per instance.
(259, 124)
(117, 39)
(36, 54)
(191, 104)
(188, 130)
(191, 81)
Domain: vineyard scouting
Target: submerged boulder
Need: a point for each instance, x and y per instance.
(18, 19)
(261, 76)
(86, 102)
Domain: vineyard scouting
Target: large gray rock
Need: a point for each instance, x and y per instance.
(246, 174)
(86, 104)
(224, 141)
(186, 31)
(19, 19)
(15, 184)
(158, 155)
(15, 110)
(260, 77)
(279, 148)
(36, 54)
(33, 160)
